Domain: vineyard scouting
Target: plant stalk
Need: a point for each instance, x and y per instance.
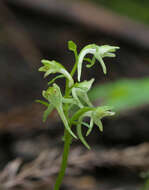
(67, 136)
(64, 160)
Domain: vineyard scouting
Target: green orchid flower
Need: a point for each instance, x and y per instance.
(51, 67)
(79, 91)
(95, 115)
(98, 52)
(55, 98)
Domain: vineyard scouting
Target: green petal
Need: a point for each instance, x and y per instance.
(75, 96)
(89, 49)
(47, 112)
(85, 85)
(65, 122)
(99, 58)
(79, 93)
(90, 127)
(99, 124)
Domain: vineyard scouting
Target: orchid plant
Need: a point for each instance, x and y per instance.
(74, 105)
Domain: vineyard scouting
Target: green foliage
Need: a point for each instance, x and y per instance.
(122, 94)
(75, 96)
(135, 9)
(145, 175)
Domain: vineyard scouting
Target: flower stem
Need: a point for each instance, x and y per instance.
(67, 136)
(64, 160)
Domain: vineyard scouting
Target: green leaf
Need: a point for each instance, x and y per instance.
(123, 94)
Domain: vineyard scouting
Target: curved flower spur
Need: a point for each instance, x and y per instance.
(74, 106)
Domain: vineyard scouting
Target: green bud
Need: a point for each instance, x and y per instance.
(72, 46)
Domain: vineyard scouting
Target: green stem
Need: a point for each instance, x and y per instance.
(64, 160)
(67, 142)
(67, 135)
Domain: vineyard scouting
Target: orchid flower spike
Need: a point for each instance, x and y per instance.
(98, 52)
(55, 67)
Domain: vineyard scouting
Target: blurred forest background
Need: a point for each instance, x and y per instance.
(29, 149)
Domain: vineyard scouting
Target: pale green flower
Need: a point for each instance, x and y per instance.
(55, 98)
(79, 92)
(51, 67)
(98, 52)
(95, 115)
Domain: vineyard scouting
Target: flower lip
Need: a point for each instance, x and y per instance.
(107, 51)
